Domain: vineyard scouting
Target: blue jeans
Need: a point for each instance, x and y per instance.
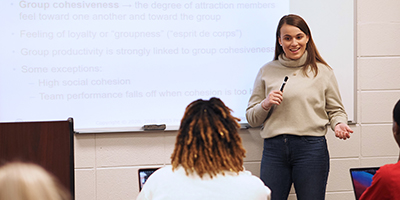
(301, 160)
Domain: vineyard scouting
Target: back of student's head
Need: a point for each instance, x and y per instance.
(27, 181)
(208, 141)
(396, 113)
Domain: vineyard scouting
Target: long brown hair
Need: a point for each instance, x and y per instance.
(208, 141)
(313, 55)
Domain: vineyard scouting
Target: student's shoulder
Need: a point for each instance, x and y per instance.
(256, 184)
(389, 167)
(162, 171)
(389, 171)
(249, 177)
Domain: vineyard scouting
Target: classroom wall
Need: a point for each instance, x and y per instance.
(106, 164)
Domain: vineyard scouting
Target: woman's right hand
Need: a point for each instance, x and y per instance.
(274, 98)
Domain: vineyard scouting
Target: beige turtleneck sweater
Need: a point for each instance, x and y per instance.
(309, 103)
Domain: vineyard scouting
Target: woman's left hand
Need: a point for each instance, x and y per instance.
(342, 131)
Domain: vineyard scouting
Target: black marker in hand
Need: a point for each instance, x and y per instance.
(284, 83)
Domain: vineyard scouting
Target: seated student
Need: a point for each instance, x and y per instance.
(27, 181)
(386, 181)
(207, 162)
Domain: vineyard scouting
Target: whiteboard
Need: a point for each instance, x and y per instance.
(119, 65)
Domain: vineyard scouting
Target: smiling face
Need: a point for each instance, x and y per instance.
(293, 41)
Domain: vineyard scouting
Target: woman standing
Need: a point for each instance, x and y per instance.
(294, 121)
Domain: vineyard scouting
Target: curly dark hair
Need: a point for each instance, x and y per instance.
(208, 141)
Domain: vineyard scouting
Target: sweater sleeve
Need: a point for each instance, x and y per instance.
(334, 105)
(255, 114)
